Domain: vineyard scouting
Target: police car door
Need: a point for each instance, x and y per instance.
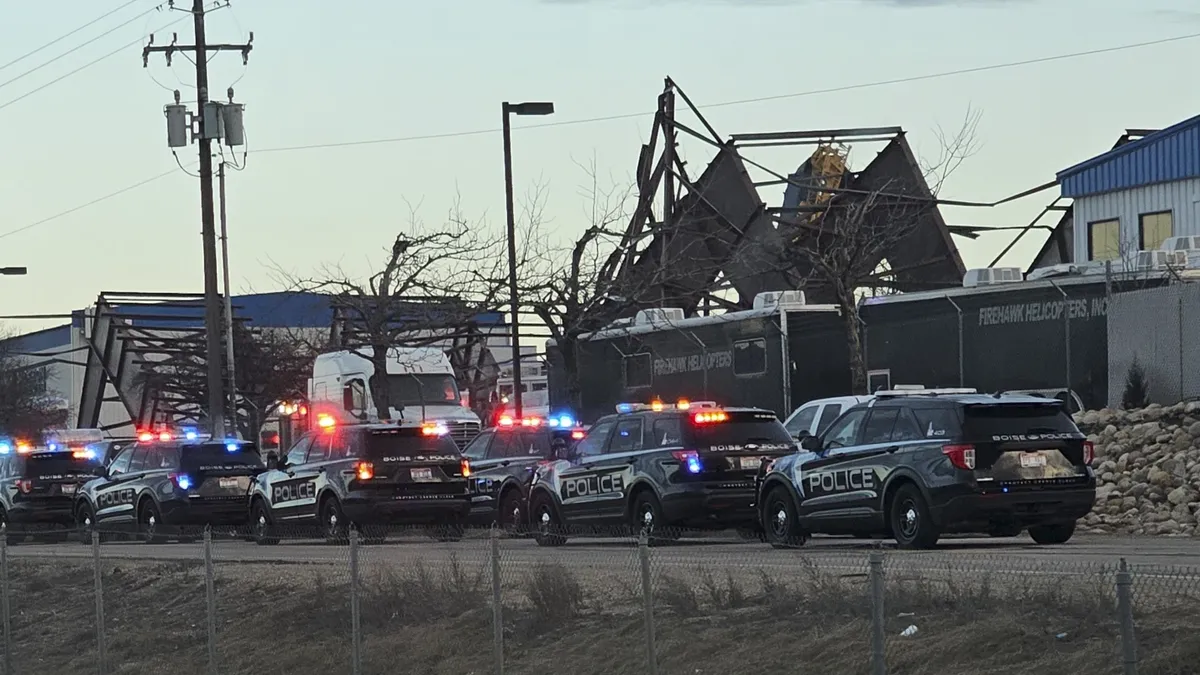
(584, 482)
(293, 489)
(853, 475)
(116, 495)
(831, 482)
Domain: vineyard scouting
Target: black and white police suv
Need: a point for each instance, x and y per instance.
(658, 468)
(39, 486)
(913, 465)
(165, 485)
(366, 476)
(503, 460)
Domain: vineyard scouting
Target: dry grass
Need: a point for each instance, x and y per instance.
(296, 619)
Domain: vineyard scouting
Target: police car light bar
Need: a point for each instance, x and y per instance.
(326, 421)
(921, 391)
(506, 421)
(710, 417)
(434, 429)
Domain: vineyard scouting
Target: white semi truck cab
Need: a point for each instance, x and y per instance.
(421, 387)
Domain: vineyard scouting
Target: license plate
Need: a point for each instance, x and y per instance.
(751, 463)
(1032, 460)
(228, 482)
(422, 475)
(68, 488)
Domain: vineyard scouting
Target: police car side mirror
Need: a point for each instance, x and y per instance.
(811, 443)
(272, 460)
(802, 434)
(100, 472)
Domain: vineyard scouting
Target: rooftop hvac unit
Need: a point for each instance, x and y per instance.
(659, 316)
(1184, 243)
(776, 298)
(1159, 260)
(988, 276)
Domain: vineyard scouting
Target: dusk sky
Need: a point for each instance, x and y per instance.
(342, 72)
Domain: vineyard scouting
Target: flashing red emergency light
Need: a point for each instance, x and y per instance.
(531, 422)
(710, 417)
(364, 471)
(164, 436)
(578, 435)
(656, 406)
(24, 448)
(145, 436)
(326, 421)
(505, 421)
(434, 429)
(466, 468)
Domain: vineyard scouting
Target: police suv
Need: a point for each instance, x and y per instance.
(503, 460)
(656, 468)
(164, 485)
(913, 465)
(39, 485)
(365, 476)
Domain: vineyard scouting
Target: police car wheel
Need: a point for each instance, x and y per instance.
(264, 530)
(333, 522)
(912, 526)
(648, 520)
(780, 522)
(13, 537)
(150, 524)
(512, 512)
(549, 526)
(1053, 533)
(85, 524)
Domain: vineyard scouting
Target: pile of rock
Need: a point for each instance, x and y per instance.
(1148, 469)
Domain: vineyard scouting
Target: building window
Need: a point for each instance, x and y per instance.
(1104, 240)
(750, 357)
(1154, 229)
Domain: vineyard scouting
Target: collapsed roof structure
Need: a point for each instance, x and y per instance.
(692, 240)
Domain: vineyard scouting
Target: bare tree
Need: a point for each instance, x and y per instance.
(842, 248)
(26, 408)
(428, 289)
(271, 367)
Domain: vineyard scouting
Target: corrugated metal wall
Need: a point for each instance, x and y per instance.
(1170, 155)
(1160, 328)
(1179, 197)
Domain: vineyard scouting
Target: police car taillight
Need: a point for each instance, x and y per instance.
(364, 471)
(25, 486)
(1089, 452)
(183, 480)
(578, 434)
(710, 417)
(961, 456)
(690, 460)
(466, 468)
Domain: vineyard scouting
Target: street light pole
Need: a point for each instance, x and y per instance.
(514, 300)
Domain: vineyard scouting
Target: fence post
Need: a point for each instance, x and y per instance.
(648, 603)
(497, 604)
(355, 616)
(5, 600)
(210, 595)
(878, 646)
(1125, 614)
(101, 648)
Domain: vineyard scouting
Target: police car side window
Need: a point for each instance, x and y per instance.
(593, 443)
(906, 428)
(299, 451)
(505, 445)
(320, 449)
(478, 447)
(628, 437)
(844, 432)
(666, 433)
(120, 463)
(879, 426)
(340, 445)
(138, 461)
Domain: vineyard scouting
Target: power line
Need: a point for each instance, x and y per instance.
(64, 37)
(85, 66)
(480, 132)
(80, 46)
(760, 99)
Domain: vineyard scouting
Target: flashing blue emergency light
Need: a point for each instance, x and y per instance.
(191, 435)
(5, 448)
(694, 465)
(52, 447)
(184, 482)
(624, 408)
(232, 446)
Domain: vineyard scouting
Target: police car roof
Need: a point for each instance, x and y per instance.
(965, 399)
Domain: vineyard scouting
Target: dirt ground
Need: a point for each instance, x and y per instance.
(292, 619)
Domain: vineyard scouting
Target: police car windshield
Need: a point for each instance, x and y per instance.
(58, 463)
(189, 457)
(407, 442)
(741, 427)
(983, 422)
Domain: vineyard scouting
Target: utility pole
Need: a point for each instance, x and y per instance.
(229, 347)
(213, 118)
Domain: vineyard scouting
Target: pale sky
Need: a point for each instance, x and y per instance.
(334, 72)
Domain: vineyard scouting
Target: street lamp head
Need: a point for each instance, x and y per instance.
(530, 108)
(13, 271)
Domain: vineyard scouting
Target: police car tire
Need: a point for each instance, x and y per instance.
(339, 534)
(265, 536)
(553, 537)
(779, 498)
(510, 504)
(1052, 533)
(147, 510)
(659, 532)
(924, 534)
(13, 537)
(83, 532)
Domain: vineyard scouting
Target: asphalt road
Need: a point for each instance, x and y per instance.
(1167, 557)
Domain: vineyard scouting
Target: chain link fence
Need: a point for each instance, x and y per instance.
(1154, 328)
(493, 603)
